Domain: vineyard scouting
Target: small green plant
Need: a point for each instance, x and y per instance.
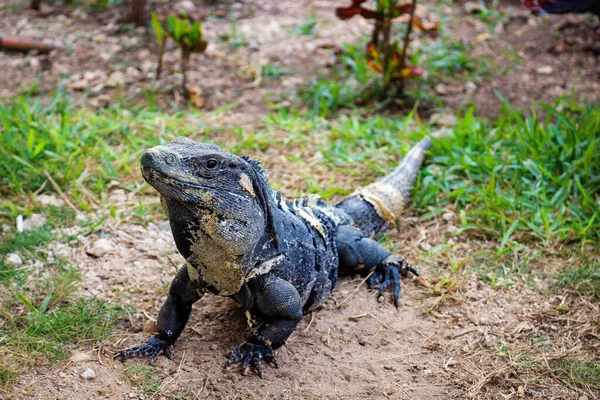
(308, 28)
(188, 36)
(385, 55)
(161, 39)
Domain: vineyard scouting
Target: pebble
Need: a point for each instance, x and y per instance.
(14, 259)
(62, 375)
(442, 89)
(164, 226)
(448, 216)
(49, 200)
(35, 221)
(99, 248)
(117, 78)
(6, 228)
(472, 7)
(443, 119)
(545, 70)
(425, 246)
(88, 374)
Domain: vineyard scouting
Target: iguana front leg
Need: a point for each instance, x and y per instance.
(172, 318)
(277, 302)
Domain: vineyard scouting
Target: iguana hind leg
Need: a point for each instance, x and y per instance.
(363, 254)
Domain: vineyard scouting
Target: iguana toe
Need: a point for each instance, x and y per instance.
(151, 349)
(250, 355)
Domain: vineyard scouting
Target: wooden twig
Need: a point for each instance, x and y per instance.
(407, 39)
(355, 290)
(24, 45)
(60, 192)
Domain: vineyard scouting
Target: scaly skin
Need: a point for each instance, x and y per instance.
(280, 259)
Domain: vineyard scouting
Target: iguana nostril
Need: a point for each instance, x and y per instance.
(148, 159)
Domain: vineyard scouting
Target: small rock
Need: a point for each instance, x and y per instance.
(164, 226)
(117, 196)
(115, 79)
(472, 7)
(427, 372)
(62, 375)
(545, 70)
(132, 72)
(442, 89)
(448, 216)
(451, 228)
(99, 248)
(49, 200)
(88, 374)
(150, 327)
(80, 356)
(14, 259)
(143, 54)
(443, 119)
(35, 221)
(6, 228)
(425, 246)
(34, 63)
(584, 397)
(100, 38)
(470, 87)
(186, 5)
(20, 223)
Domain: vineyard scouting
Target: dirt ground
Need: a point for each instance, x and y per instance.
(355, 346)
(105, 63)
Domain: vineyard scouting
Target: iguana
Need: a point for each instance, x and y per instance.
(279, 259)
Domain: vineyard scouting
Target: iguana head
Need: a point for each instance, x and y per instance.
(219, 207)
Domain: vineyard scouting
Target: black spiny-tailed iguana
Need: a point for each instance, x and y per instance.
(280, 259)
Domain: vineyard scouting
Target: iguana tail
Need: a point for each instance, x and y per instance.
(374, 207)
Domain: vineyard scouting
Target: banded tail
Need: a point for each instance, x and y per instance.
(374, 207)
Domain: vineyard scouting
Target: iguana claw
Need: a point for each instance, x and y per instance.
(388, 272)
(152, 348)
(250, 355)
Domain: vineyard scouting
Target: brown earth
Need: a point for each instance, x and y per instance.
(441, 343)
(105, 63)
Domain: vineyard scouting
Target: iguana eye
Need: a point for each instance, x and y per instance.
(212, 164)
(170, 159)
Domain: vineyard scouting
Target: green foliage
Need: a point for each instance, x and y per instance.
(385, 55)
(583, 278)
(188, 35)
(143, 377)
(82, 150)
(50, 335)
(309, 27)
(159, 31)
(536, 178)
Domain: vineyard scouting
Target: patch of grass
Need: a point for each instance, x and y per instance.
(272, 71)
(583, 278)
(520, 176)
(48, 336)
(143, 377)
(83, 151)
(40, 321)
(309, 26)
(449, 58)
(579, 372)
